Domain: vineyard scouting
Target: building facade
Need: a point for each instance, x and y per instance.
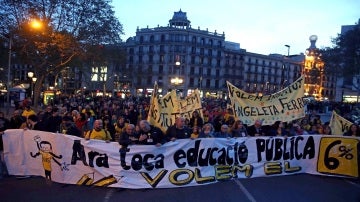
(180, 57)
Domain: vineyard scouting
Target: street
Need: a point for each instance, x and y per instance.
(302, 187)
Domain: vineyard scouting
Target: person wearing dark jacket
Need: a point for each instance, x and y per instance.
(68, 127)
(178, 131)
(223, 133)
(54, 121)
(16, 120)
(4, 123)
(34, 123)
(127, 137)
(196, 120)
(149, 134)
(256, 129)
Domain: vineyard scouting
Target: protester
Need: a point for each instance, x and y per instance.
(48, 112)
(127, 137)
(195, 132)
(278, 129)
(238, 129)
(150, 135)
(353, 130)
(207, 131)
(196, 120)
(54, 121)
(98, 132)
(90, 119)
(16, 120)
(109, 127)
(327, 130)
(313, 130)
(178, 131)
(68, 127)
(256, 129)
(4, 123)
(223, 133)
(120, 126)
(133, 115)
(28, 111)
(81, 123)
(296, 130)
(33, 123)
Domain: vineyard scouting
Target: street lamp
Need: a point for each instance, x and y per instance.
(288, 50)
(176, 81)
(32, 82)
(36, 24)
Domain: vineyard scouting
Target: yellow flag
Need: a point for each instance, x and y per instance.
(338, 124)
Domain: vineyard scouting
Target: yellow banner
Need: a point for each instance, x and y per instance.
(190, 104)
(338, 156)
(163, 111)
(338, 124)
(285, 105)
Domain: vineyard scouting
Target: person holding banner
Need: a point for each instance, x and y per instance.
(4, 124)
(178, 131)
(327, 130)
(256, 129)
(296, 129)
(196, 132)
(126, 138)
(149, 134)
(120, 127)
(207, 131)
(238, 129)
(354, 130)
(278, 129)
(224, 132)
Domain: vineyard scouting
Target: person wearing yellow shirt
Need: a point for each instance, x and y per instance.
(28, 111)
(98, 133)
(88, 108)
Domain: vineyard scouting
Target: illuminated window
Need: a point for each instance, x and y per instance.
(98, 73)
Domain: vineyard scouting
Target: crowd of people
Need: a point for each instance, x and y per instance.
(124, 121)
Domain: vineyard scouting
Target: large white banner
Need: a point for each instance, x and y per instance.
(68, 159)
(285, 105)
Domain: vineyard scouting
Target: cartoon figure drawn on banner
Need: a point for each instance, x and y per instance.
(45, 150)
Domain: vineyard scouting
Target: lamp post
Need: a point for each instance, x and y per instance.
(36, 24)
(177, 80)
(32, 82)
(8, 72)
(288, 50)
(8, 68)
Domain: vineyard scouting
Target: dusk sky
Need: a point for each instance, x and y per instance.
(259, 26)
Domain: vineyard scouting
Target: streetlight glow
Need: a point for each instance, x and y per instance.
(176, 81)
(36, 24)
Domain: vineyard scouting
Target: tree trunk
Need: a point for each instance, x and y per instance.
(37, 91)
